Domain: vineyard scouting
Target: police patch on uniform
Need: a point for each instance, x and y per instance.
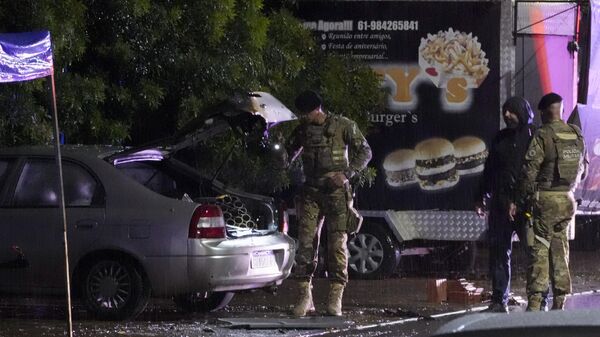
(533, 148)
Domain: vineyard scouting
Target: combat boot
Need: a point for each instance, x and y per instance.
(334, 301)
(497, 307)
(534, 303)
(305, 301)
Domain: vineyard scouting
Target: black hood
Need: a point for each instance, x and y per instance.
(507, 151)
(521, 107)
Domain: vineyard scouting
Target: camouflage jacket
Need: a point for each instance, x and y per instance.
(546, 158)
(337, 145)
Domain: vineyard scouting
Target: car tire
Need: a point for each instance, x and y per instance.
(374, 253)
(114, 289)
(200, 302)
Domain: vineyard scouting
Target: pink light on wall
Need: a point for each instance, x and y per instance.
(556, 66)
(541, 56)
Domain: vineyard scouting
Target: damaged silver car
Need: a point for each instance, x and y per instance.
(140, 223)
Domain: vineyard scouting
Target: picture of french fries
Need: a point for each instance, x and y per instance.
(450, 54)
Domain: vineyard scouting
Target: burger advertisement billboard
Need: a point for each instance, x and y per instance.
(439, 63)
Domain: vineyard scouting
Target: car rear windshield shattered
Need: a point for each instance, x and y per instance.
(244, 216)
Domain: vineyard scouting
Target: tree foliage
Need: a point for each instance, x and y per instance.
(130, 71)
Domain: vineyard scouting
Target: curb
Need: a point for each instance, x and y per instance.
(414, 319)
(390, 323)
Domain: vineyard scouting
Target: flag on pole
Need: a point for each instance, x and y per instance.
(25, 56)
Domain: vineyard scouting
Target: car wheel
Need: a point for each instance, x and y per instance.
(114, 290)
(202, 302)
(374, 253)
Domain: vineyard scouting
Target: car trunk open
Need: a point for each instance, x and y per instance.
(161, 167)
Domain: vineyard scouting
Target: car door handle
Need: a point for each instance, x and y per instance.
(86, 224)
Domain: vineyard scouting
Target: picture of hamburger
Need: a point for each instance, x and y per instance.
(399, 167)
(435, 164)
(470, 153)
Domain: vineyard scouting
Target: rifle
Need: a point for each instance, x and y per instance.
(354, 220)
(529, 214)
(529, 223)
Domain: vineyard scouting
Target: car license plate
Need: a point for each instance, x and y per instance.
(264, 259)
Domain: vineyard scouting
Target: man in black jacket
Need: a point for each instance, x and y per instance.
(497, 187)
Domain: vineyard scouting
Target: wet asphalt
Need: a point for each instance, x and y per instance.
(393, 307)
(163, 319)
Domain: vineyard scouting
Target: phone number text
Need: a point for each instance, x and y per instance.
(388, 25)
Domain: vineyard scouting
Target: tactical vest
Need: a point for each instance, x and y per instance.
(560, 168)
(324, 148)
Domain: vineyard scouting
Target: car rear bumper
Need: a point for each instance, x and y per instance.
(239, 264)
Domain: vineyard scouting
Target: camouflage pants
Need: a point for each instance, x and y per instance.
(549, 260)
(314, 207)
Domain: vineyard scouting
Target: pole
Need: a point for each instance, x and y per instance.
(62, 204)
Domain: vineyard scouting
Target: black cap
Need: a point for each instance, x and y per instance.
(548, 100)
(307, 101)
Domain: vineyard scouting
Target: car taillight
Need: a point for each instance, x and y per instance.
(207, 223)
(283, 218)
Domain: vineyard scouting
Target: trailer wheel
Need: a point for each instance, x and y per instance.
(374, 253)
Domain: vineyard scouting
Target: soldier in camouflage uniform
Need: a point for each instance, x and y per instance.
(333, 149)
(554, 163)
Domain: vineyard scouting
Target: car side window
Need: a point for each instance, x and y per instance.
(164, 180)
(38, 185)
(152, 177)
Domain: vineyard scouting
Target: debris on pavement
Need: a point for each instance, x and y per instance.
(402, 313)
(287, 323)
